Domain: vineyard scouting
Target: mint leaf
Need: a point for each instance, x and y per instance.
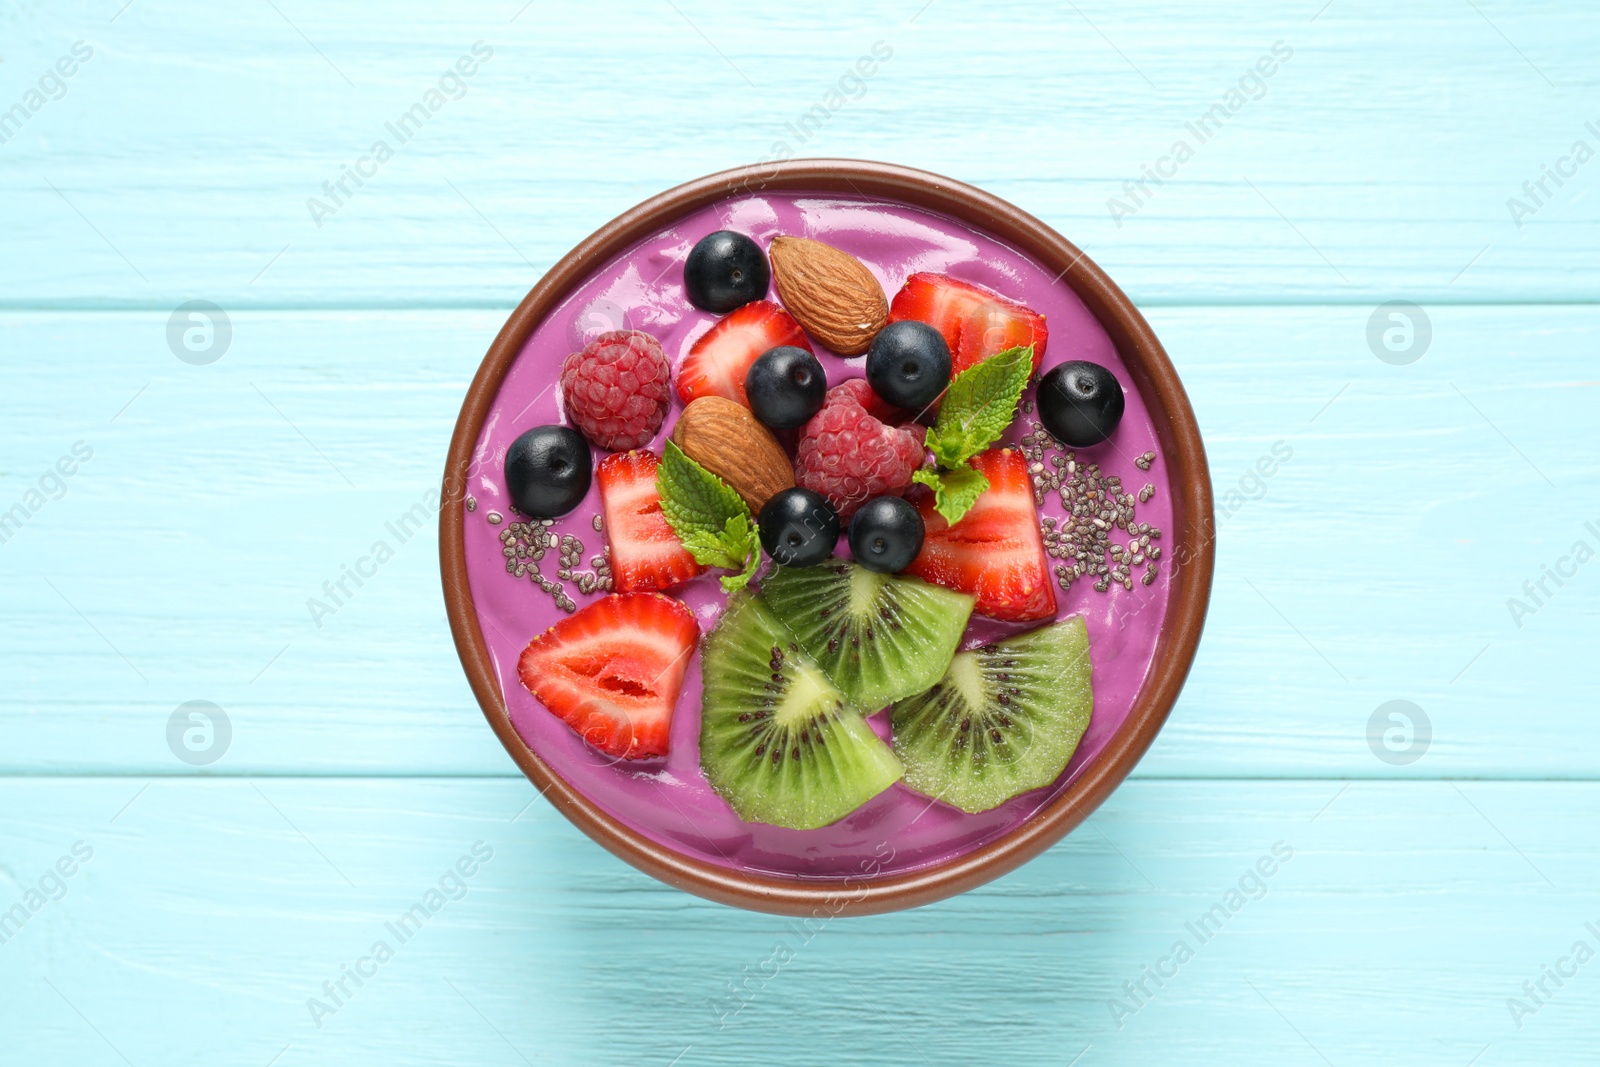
(954, 491)
(692, 498)
(741, 535)
(709, 518)
(979, 405)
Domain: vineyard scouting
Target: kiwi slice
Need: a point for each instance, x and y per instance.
(880, 637)
(1004, 719)
(778, 741)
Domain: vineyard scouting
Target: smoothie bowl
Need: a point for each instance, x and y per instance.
(826, 537)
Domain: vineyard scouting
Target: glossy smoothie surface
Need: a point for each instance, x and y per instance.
(667, 800)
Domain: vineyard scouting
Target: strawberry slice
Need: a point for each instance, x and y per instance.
(994, 326)
(976, 322)
(645, 554)
(613, 670)
(940, 301)
(995, 552)
(718, 361)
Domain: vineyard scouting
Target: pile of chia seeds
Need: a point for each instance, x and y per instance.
(1095, 506)
(524, 543)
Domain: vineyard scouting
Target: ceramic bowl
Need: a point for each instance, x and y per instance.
(1189, 541)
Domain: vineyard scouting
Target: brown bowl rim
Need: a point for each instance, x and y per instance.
(1191, 569)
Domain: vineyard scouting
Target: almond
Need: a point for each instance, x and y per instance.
(831, 293)
(724, 438)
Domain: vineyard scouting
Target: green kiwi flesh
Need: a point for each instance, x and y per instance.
(1004, 719)
(880, 637)
(778, 740)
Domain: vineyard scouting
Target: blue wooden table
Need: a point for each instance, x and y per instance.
(211, 890)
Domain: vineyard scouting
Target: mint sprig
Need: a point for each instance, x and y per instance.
(710, 519)
(954, 492)
(977, 408)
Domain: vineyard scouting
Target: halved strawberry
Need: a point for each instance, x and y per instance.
(613, 670)
(718, 361)
(938, 300)
(995, 552)
(994, 326)
(976, 322)
(645, 554)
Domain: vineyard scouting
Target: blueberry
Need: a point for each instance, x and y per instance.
(798, 527)
(785, 387)
(1080, 403)
(886, 534)
(909, 364)
(725, 270)
(548, 471)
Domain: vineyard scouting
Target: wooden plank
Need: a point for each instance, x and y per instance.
(182, 158)
(212, 911)
(1375, 564)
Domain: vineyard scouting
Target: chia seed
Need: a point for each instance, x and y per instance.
(495, 518)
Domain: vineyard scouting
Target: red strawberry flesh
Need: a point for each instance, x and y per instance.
(612, 671)
(994, 326)
(995, 552)
(645, 554)
(938, 300)
(976, 322)
(718, 362)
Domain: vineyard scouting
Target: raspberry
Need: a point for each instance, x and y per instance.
(616, 390)
(849, 455)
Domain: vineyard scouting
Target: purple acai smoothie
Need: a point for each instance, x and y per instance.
(668, 800)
